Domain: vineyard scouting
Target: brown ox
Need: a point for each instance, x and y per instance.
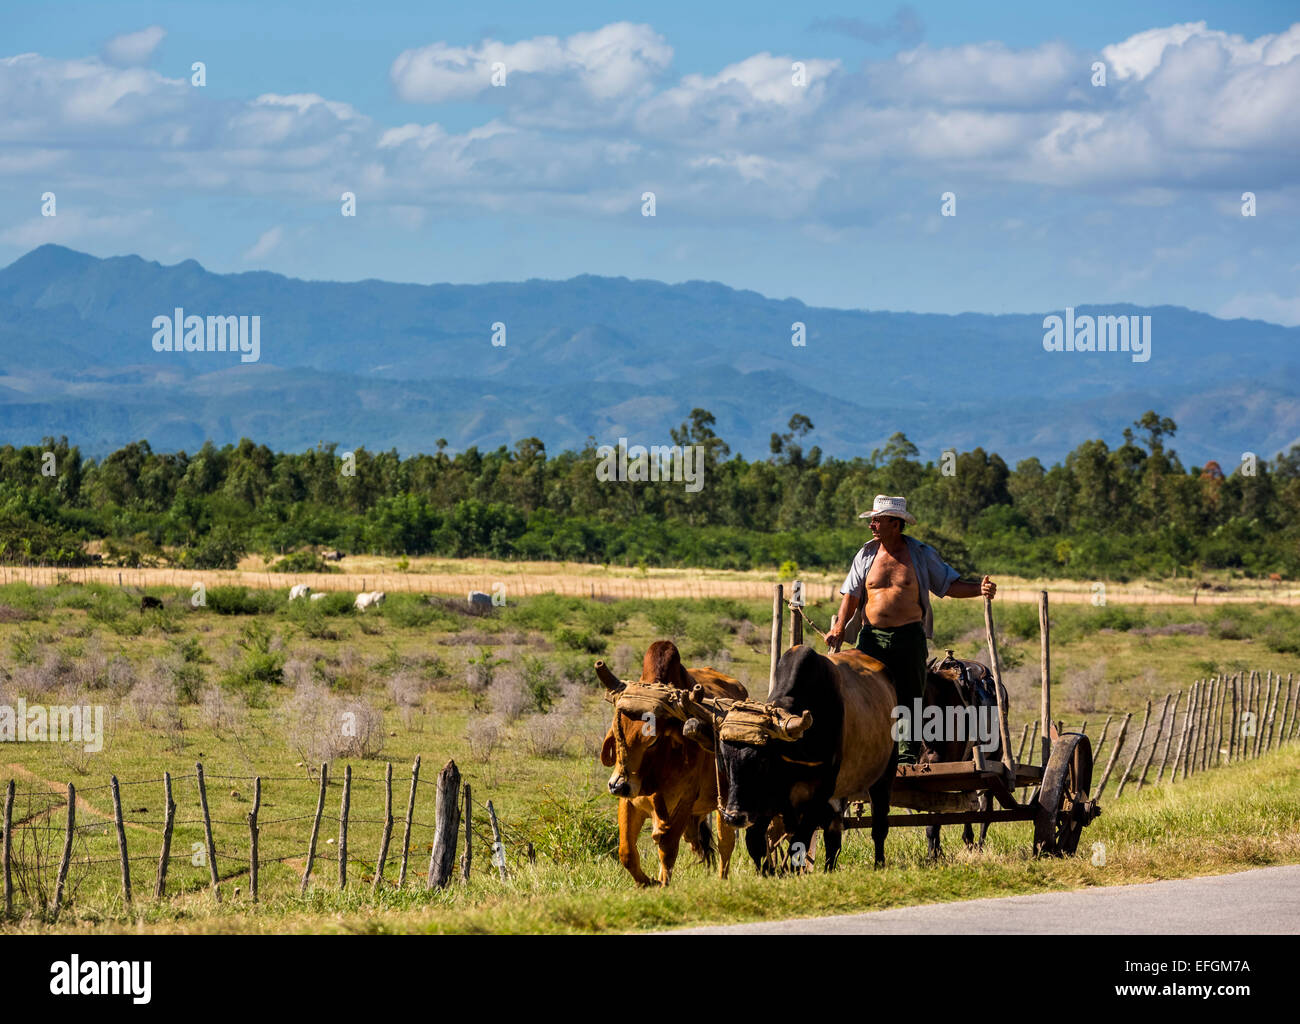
(659, 772)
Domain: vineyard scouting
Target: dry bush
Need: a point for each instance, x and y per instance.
(509, 694)
(1085, 688)
(625, 662)
(548, 735)
(153, 697)
(324, 727)
(484, 736)
(221, 714)
(749, 634)
(299, 671)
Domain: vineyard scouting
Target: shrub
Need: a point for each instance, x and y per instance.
(483, 736)
(668, 620)
(580, 641)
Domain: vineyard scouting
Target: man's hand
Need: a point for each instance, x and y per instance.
(988, 588)
(835, 636)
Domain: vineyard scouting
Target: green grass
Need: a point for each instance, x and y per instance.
(249, 640)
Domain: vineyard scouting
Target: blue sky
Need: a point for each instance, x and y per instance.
(1066, 193)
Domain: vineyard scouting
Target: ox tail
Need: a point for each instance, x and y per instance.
(705, 846)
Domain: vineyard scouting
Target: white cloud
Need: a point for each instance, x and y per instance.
(75, 226)
(615, 60)
(265, 243)
(134, 47)
(1277, 309)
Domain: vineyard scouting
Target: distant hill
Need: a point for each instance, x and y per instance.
(398, 366)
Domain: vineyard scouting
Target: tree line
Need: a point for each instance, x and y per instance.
(1102, 512)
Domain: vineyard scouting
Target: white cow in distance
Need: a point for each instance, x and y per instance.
(371, 600)
(317, 597)
(299, 590)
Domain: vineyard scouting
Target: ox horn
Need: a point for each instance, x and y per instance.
(607, 678)
(791, 727)
(697, 730)
(715, 707)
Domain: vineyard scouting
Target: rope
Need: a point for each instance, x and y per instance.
(807, 621)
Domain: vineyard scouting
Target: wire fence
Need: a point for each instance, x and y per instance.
(366, 825)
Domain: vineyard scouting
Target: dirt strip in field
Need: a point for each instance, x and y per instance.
(596, 583)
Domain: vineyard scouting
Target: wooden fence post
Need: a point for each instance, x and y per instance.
(1155, 743)
(8, 848)
(446, 815)
(1216, 723)
(1295, 710)
(1044, 629)
(121, 840)
(1206, 730)
(1020, 750)
(207, 831)
(1275, 691)
(1137, 749)
(388, 826)
(1114, 755)
(344, 808)
(1250, 706)
(410, 813)
(778, 613)
(66, 859)
(315, 828)
(1232, 721)
(1169, 738)
(1286, 714)
(169, 819)
(469, 836)
(1187, 731)
(252, 837)
(498, 850)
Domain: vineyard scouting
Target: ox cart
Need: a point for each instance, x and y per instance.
(982, 791)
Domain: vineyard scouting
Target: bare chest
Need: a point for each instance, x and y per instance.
(890, 573)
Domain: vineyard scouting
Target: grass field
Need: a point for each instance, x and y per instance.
(252, 685)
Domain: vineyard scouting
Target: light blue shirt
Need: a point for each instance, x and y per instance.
(933, 575)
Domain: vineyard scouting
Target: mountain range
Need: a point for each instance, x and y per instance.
(384, 365)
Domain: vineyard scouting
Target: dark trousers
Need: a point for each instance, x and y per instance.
(903, 652)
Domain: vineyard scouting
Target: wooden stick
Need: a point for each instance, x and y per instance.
(796, 620)
(1155, 743)
(1114, 755)
(252, 837)
(1169, 738)
(66, 859)
(121, 840)
(778, 611)
(1233, 752)
(410, 814)
(1044, 629)
(388, 826)
(8, 849)
(1102, 741)
(1295, 711)
(498, 851)
(207, 831)
(446, 816)
(1137, 749)
(344, 808)
(469, 837)
(1216, 722)
(1004, 731)
(1020, 750)
(169, 820)
(315, 828)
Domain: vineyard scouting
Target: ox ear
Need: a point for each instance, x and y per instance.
(607, 751)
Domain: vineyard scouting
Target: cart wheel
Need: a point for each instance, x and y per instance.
(1063, 804)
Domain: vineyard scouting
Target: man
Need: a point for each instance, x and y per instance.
(896, 575)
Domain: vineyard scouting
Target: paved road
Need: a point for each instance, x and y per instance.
(1263, 901)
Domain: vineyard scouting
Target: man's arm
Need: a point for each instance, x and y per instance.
(848, 608)
(965, 588)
